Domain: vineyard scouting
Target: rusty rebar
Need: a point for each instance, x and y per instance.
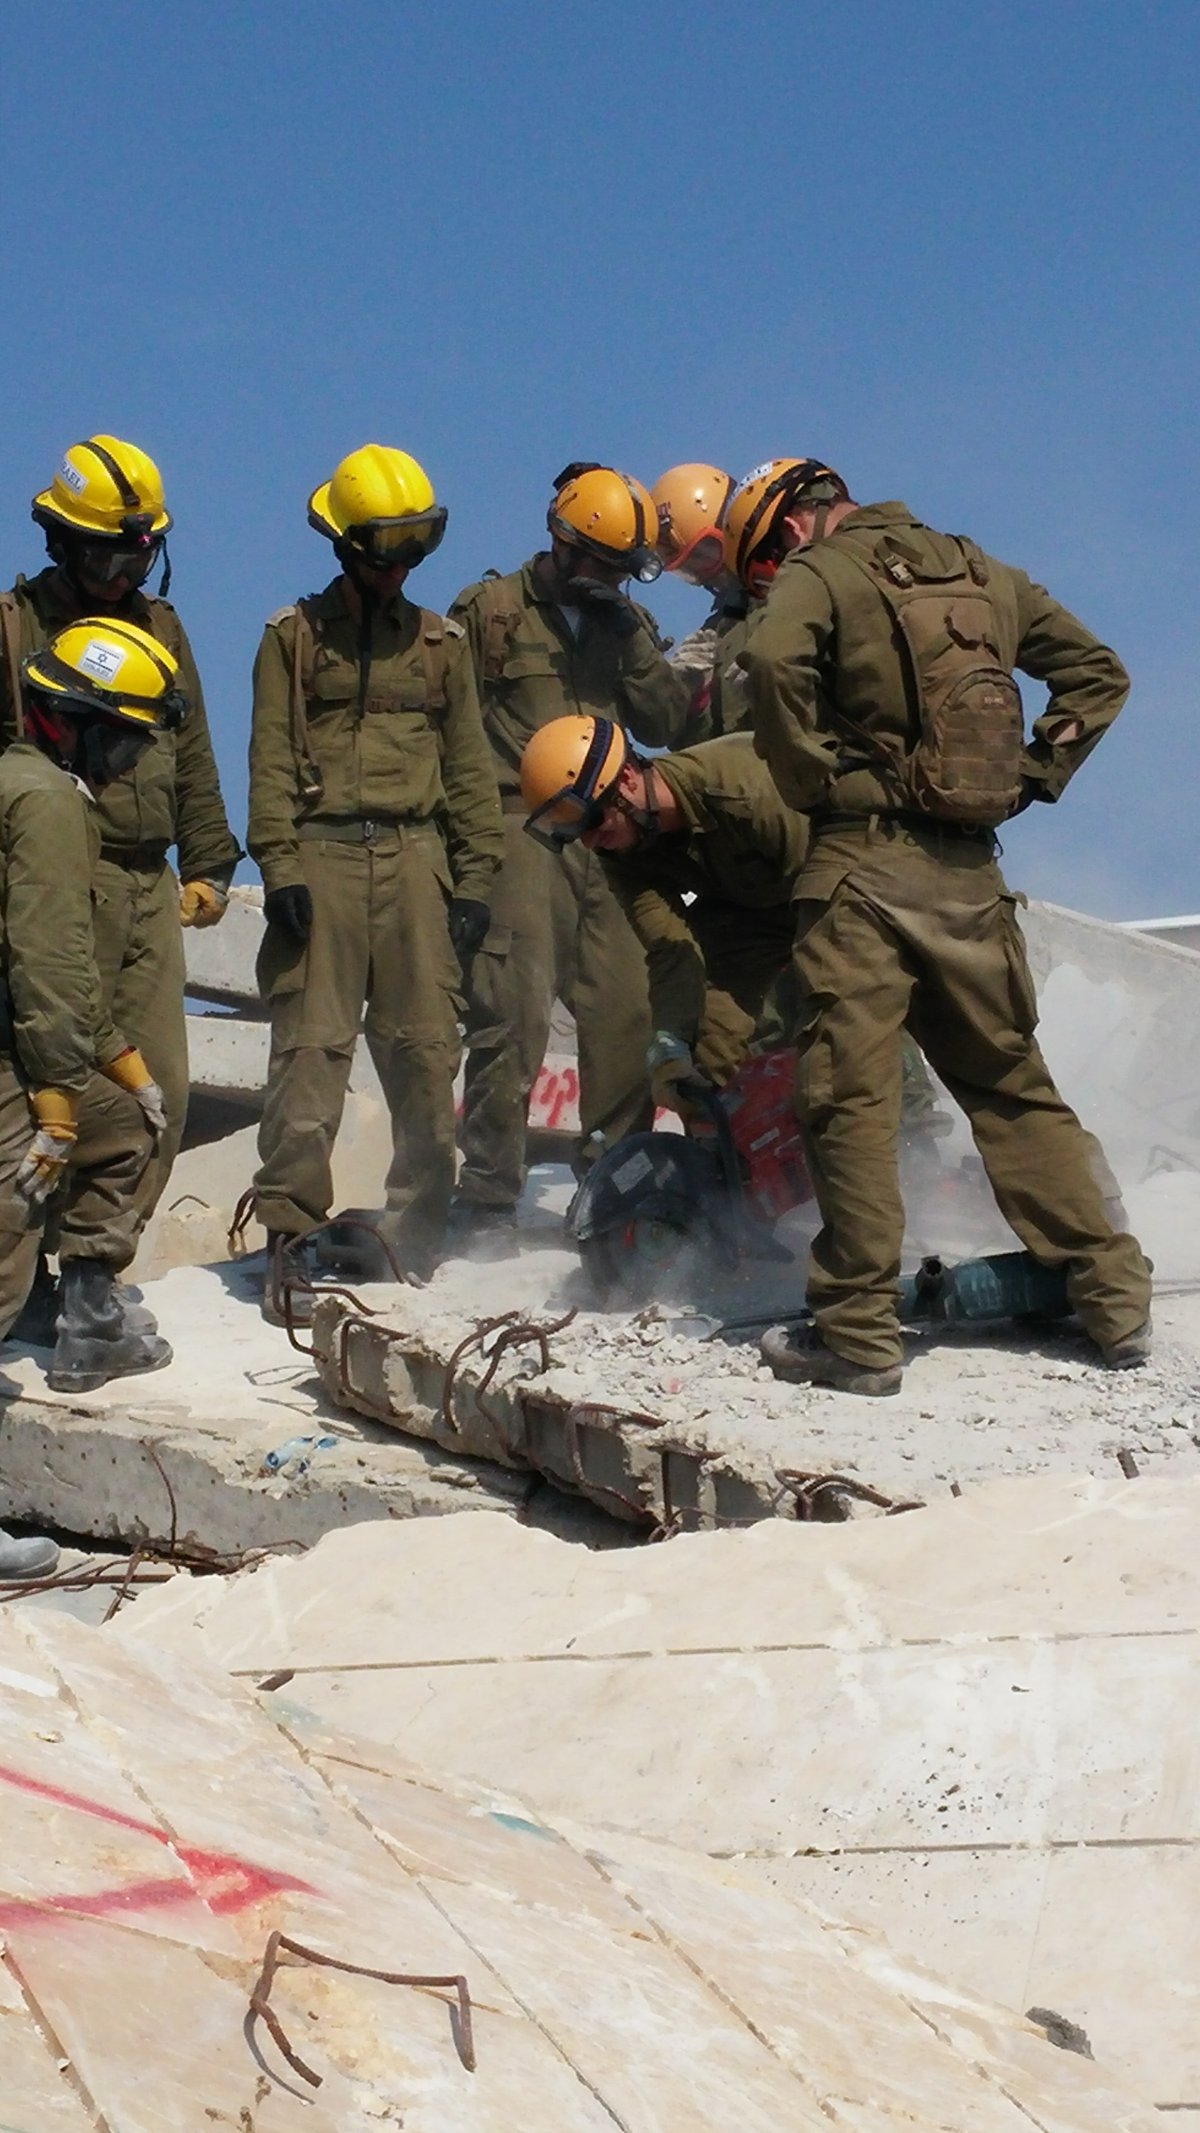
(807, 1488)
(280, 1944)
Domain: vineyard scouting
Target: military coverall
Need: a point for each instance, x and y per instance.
(720, 964)
(557, 930)
(377, 791)
(55, 1031)
(900, 916)
(171, 796)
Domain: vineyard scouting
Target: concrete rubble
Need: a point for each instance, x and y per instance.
(971, 1728)
(791, 1823)
(562, 1979)
(180, 1457)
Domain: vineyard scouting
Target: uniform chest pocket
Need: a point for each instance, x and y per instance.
(398, 735)
(334, 686)
(535, 668)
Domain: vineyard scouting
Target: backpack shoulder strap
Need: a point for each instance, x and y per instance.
(501, 621)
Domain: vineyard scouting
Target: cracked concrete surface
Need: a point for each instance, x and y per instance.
(160, 1823)
(971, 1727)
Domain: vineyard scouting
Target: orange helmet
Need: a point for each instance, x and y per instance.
(568, 769)
(691, 502)
(758, 507)
(608, 514)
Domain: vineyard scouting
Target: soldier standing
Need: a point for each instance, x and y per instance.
(882, 696)
(106, 523)
(559, 635)
(79, 1108)
(375, 820)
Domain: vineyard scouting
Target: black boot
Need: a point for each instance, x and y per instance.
(95, 1342)
(36, 1325)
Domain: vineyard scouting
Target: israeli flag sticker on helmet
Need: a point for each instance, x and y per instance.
(73, 478)
(102, 660)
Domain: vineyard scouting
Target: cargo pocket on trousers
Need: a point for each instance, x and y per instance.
(1022, 993)
(812, 999)
(280, 965)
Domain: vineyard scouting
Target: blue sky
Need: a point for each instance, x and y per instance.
(951, 249)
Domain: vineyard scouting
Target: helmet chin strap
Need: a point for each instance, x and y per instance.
(645, 818)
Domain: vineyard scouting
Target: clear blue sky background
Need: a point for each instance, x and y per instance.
(951, 248)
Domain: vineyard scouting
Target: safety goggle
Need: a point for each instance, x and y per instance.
(390, 543)
(563, 818)
(103, 562)
(108, 751)
(644, 564)
(699, 559)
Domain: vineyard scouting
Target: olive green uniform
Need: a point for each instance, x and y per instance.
(172, 796)
(711, 905)
(54, 1031)
(378, 793)
(557, 930)
(712, 960)
(900, 917)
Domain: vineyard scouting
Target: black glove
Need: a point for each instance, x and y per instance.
(469, 921)
(291, 908)
(609, 603)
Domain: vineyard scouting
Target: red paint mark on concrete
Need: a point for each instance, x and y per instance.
(221, 1881)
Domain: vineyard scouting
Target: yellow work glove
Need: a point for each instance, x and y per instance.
(49, 1151)
(202, 903)
(129, 1071)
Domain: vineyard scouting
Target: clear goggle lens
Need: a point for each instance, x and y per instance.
(104, 562)
(388, 544)
(110, 750)
(698, 560)
(563, 819)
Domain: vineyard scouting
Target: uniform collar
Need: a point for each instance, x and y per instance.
(531, 584)
(890, 514)
(333, 604)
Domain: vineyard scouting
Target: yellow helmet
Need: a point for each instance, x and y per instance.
(107, 490)
(691, 502)
(379, 506)
(757, 509)
(568, 769)
(608, 514)
(110, 668)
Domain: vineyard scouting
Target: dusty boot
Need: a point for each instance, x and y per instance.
(1130, 1352)
(35, 1558)
(289, 1266)
(472, 1221)
(798, 1354)
(94, 1341)
(36, 1325)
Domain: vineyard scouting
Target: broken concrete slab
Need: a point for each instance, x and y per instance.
(661, 1424)
(178, 1459)
(168, 1826)
(970, 1726)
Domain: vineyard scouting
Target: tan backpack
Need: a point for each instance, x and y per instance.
(966, 766)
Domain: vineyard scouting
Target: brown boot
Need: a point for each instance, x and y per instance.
(798, 1354)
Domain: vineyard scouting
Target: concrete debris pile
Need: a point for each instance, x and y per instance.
(450, 1959)
(653, 1417)
(968, 1728)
